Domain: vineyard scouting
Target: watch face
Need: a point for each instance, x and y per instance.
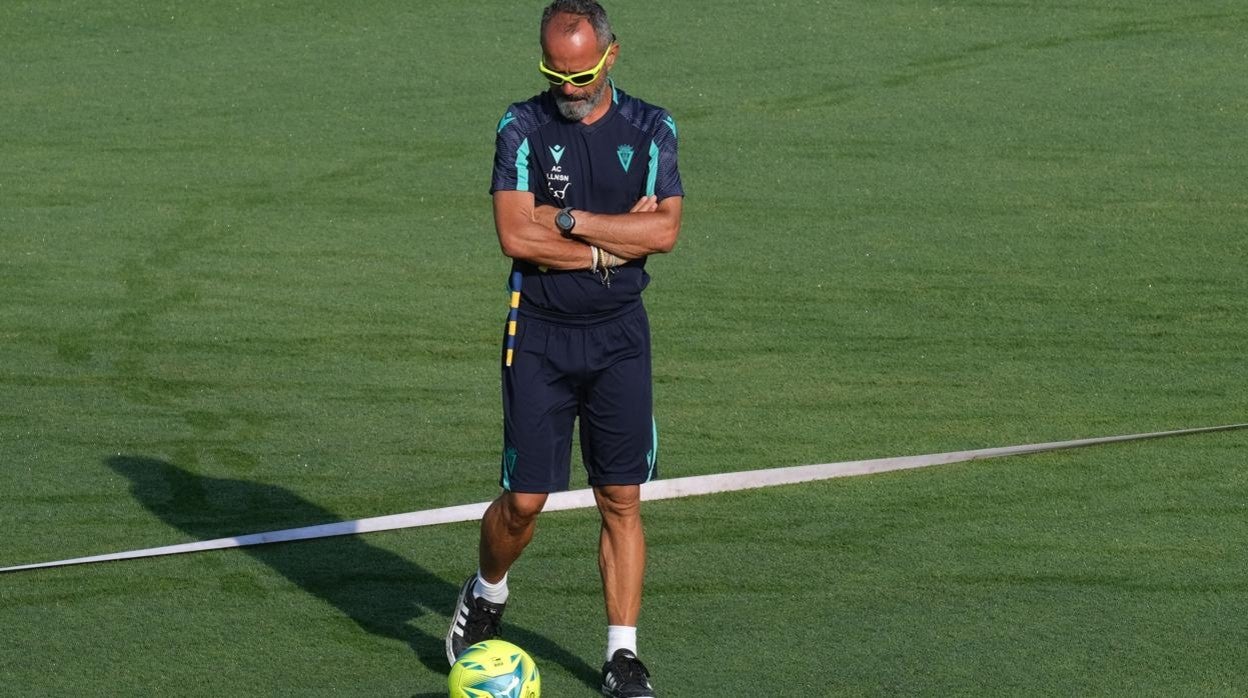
(565, 220)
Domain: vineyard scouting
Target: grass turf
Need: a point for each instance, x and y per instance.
(248, 282)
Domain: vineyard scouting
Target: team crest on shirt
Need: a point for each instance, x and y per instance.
(625, 154)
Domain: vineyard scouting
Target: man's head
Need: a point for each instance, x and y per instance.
(577, 43)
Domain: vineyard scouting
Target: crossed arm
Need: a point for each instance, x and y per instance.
(528, 232)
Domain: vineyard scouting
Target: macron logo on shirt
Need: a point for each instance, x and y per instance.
(507, 119)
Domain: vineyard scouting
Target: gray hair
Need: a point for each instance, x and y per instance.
(590, 10)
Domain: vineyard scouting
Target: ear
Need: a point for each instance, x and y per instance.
(615, 52)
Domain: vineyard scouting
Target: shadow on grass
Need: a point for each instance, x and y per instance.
(379, 590)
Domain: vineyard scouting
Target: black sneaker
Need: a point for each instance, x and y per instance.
(626, 677)
(475, 620)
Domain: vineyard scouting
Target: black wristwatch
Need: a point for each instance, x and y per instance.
(565, 222)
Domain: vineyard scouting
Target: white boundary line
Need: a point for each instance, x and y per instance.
(661, 489)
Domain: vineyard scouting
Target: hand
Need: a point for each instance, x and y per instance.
(645, 204)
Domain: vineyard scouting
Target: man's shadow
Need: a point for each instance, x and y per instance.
(379, 590)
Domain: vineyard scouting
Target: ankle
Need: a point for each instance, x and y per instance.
(621, 637)
(494, 593)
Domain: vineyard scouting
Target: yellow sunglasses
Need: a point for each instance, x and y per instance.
(580, 79)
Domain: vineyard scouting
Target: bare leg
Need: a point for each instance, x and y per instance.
(621, 552)
(506, 529)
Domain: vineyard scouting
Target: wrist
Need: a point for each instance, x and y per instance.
(606, 260)
(565, 221)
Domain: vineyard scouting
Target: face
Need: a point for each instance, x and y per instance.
(571, 53)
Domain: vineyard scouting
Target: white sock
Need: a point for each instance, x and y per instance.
(621, 637)
(494, 593)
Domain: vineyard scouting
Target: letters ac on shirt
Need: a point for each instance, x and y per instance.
(604, 167)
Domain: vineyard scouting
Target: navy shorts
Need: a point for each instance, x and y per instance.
(597, 373)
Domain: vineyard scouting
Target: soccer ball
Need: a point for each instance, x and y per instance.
(494, 669)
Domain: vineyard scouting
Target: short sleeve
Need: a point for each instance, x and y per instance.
(512, 160)
(664, 174)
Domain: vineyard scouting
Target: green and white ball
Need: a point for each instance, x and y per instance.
(494, 669)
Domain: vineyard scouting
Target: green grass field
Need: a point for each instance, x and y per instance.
(249, 281)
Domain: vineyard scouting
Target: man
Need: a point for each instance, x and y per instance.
(585, 187)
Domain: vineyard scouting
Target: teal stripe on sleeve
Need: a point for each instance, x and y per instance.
(653, 173)
(522, 166)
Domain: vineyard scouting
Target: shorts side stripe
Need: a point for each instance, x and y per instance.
(652, 456)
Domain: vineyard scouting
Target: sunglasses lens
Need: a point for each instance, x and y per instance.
(578, 80)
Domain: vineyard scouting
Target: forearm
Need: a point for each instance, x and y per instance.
(538, 245)
(523, 236)
(627, 235)
(650, 228)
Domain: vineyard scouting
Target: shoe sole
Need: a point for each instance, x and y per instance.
(607, 692)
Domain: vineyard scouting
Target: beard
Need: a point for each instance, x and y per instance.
(579, 107)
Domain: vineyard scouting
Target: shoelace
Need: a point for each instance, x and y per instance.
(630, 670)
(488, 617)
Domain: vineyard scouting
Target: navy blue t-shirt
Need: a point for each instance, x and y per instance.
(604, 167)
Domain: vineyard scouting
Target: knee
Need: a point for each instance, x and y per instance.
(619, 502)
(520, 510)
